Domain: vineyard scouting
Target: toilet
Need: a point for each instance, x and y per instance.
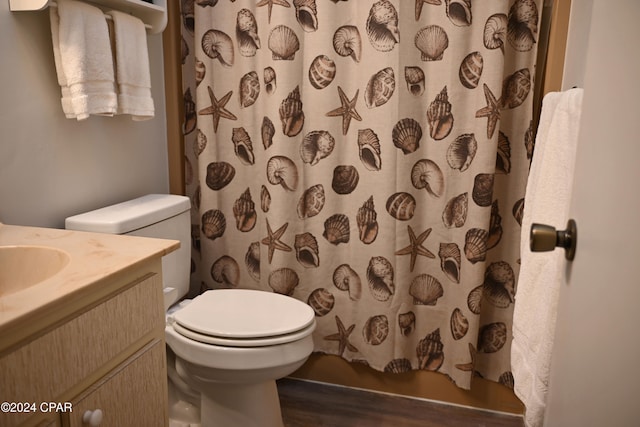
(225, 347)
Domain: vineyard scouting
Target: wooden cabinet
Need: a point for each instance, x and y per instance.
(130, 395)
(108, 356)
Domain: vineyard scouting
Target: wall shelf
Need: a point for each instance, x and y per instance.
(154, 15)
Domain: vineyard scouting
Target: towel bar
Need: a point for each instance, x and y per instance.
(154, 15)
(107, 17)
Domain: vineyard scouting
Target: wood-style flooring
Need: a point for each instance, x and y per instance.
(313, 404)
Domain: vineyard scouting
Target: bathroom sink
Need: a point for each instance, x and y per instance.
(24, 266)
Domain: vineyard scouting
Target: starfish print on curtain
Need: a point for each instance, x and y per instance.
(270, 3)
(491, 111)
(342, 337)
(273, 240)
(468, 367)
(217, 110)
(415, 247)
(347, 110)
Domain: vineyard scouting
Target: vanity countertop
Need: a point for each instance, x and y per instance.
(95, 260)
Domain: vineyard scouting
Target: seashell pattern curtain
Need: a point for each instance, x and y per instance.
(370, 159)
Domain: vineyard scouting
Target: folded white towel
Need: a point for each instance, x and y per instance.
(132, 66)
(83, 59)
(62, 79)
(547, 201)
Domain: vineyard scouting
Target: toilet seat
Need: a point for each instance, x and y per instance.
(244, 318)
(243, 342)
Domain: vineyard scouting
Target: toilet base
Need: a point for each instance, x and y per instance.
(237, 385)
(241, 405)
(237, 404)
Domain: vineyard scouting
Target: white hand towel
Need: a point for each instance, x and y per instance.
(132, 66)
(67, 108)
(83, 58)
(547, 201)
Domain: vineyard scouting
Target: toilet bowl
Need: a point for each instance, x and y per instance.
(226, 347)
(232, 344)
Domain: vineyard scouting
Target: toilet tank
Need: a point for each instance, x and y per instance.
(162, 216)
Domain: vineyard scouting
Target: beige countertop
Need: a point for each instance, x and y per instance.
(95, 260)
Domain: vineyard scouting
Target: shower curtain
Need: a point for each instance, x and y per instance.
(368, 158)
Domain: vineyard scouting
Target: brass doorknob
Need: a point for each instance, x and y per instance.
(543, 238)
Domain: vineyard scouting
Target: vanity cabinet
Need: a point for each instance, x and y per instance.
(106, 354)
(130, 395)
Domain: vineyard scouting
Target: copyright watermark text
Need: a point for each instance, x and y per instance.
(25, 407)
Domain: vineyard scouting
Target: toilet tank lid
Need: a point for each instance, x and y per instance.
(130, 215)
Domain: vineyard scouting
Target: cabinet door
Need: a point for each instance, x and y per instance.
(134, 394)
(63, 359)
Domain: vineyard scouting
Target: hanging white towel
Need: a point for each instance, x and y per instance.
(547, 200)
(67, 108)
(83, 59)
(132, 66)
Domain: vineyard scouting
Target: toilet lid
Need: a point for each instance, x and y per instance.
(244, 342)
(244, 314)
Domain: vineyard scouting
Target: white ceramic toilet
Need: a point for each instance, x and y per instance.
(226, 347)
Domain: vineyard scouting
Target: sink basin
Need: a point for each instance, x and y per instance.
(25, 266)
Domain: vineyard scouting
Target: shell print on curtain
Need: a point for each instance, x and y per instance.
(368, 158)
